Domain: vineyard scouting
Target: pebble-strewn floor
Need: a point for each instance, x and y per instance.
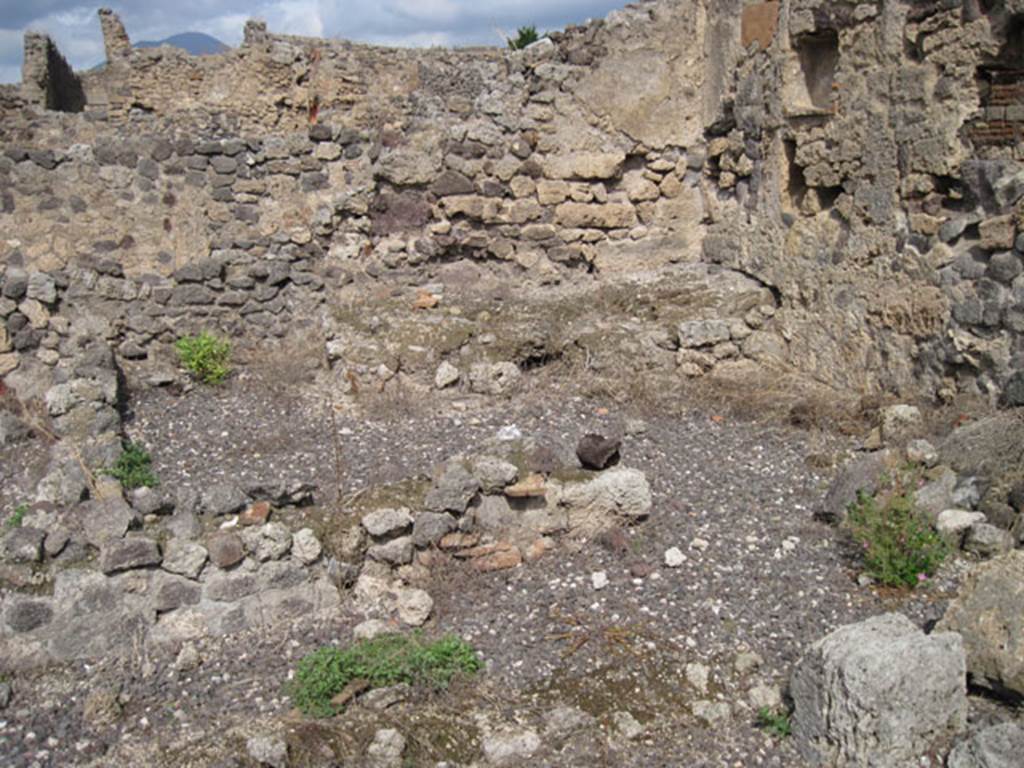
(759, 575)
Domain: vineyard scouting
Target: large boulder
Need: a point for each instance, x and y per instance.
(989, 614)
(878, 693)
(1001, 746)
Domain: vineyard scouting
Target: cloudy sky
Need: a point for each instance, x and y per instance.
(76, 28)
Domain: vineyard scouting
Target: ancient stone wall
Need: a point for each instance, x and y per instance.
(873, 180)
(47, 79)
(422, 157)
(857, 162)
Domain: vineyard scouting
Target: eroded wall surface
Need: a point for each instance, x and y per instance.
(872, 175)
(857, 162)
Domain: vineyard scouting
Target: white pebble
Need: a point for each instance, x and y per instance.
(674, 557)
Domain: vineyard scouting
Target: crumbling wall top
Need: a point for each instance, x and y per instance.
(115, 39)
(255, 32)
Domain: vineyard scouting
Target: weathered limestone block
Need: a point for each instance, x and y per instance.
(607, 216)
(584, 165)
(387, 522)
(552, 192)
(416, 163)
(703, 333)
(486, 209)
(494, 378)
(878, 693)
(115, 39)
(998, 233)
(611, 496)
(520, 211)
(639, 188)
(989, 614)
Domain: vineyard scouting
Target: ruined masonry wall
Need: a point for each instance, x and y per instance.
(856, 160)
(181, 220)
(867, 176)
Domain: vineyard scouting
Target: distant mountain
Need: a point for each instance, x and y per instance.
(196, 43)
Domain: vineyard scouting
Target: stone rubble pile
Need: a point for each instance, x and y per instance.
(492, 514)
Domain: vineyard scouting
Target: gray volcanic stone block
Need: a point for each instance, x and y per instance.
(860, 474)
(430, 527)
(126, 554)
(105, 520)
(26, 615)
(24, 545)
(1001, 746)
(453, 491)
(222, 499)
(185, 558)
(596, 451)
(170, 592)
(878, 693)
(396, 552)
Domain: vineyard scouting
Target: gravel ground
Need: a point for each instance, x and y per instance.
(736, 497)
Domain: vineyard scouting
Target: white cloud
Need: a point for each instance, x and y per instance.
(75, 27)
(415, 40)
(297, 17)
(432, 11)
(75, 17)
(228, 29)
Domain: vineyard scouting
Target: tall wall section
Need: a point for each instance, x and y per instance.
(239, 189)
(854, 166)
(871, 174)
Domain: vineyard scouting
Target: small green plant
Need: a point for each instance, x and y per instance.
(14, 521)
(382, 661)
(900, 547)
(775, 722)
(524, 36)
(134, 468)
(205, 356)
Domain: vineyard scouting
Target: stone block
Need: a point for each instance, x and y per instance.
(127, 554)
(598, 216)
(879, 693)
(989, 615)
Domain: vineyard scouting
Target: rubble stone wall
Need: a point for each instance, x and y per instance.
(857, 160)
(878, 189)
(48, 80)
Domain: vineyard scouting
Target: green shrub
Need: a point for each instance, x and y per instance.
(384, 660)
(134, 468)
(774, 722)
(524, 36)
(900, 547)
(205, 356)
(14, 521)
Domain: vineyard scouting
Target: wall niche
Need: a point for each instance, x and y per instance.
(810, 73)
(1000, 120)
